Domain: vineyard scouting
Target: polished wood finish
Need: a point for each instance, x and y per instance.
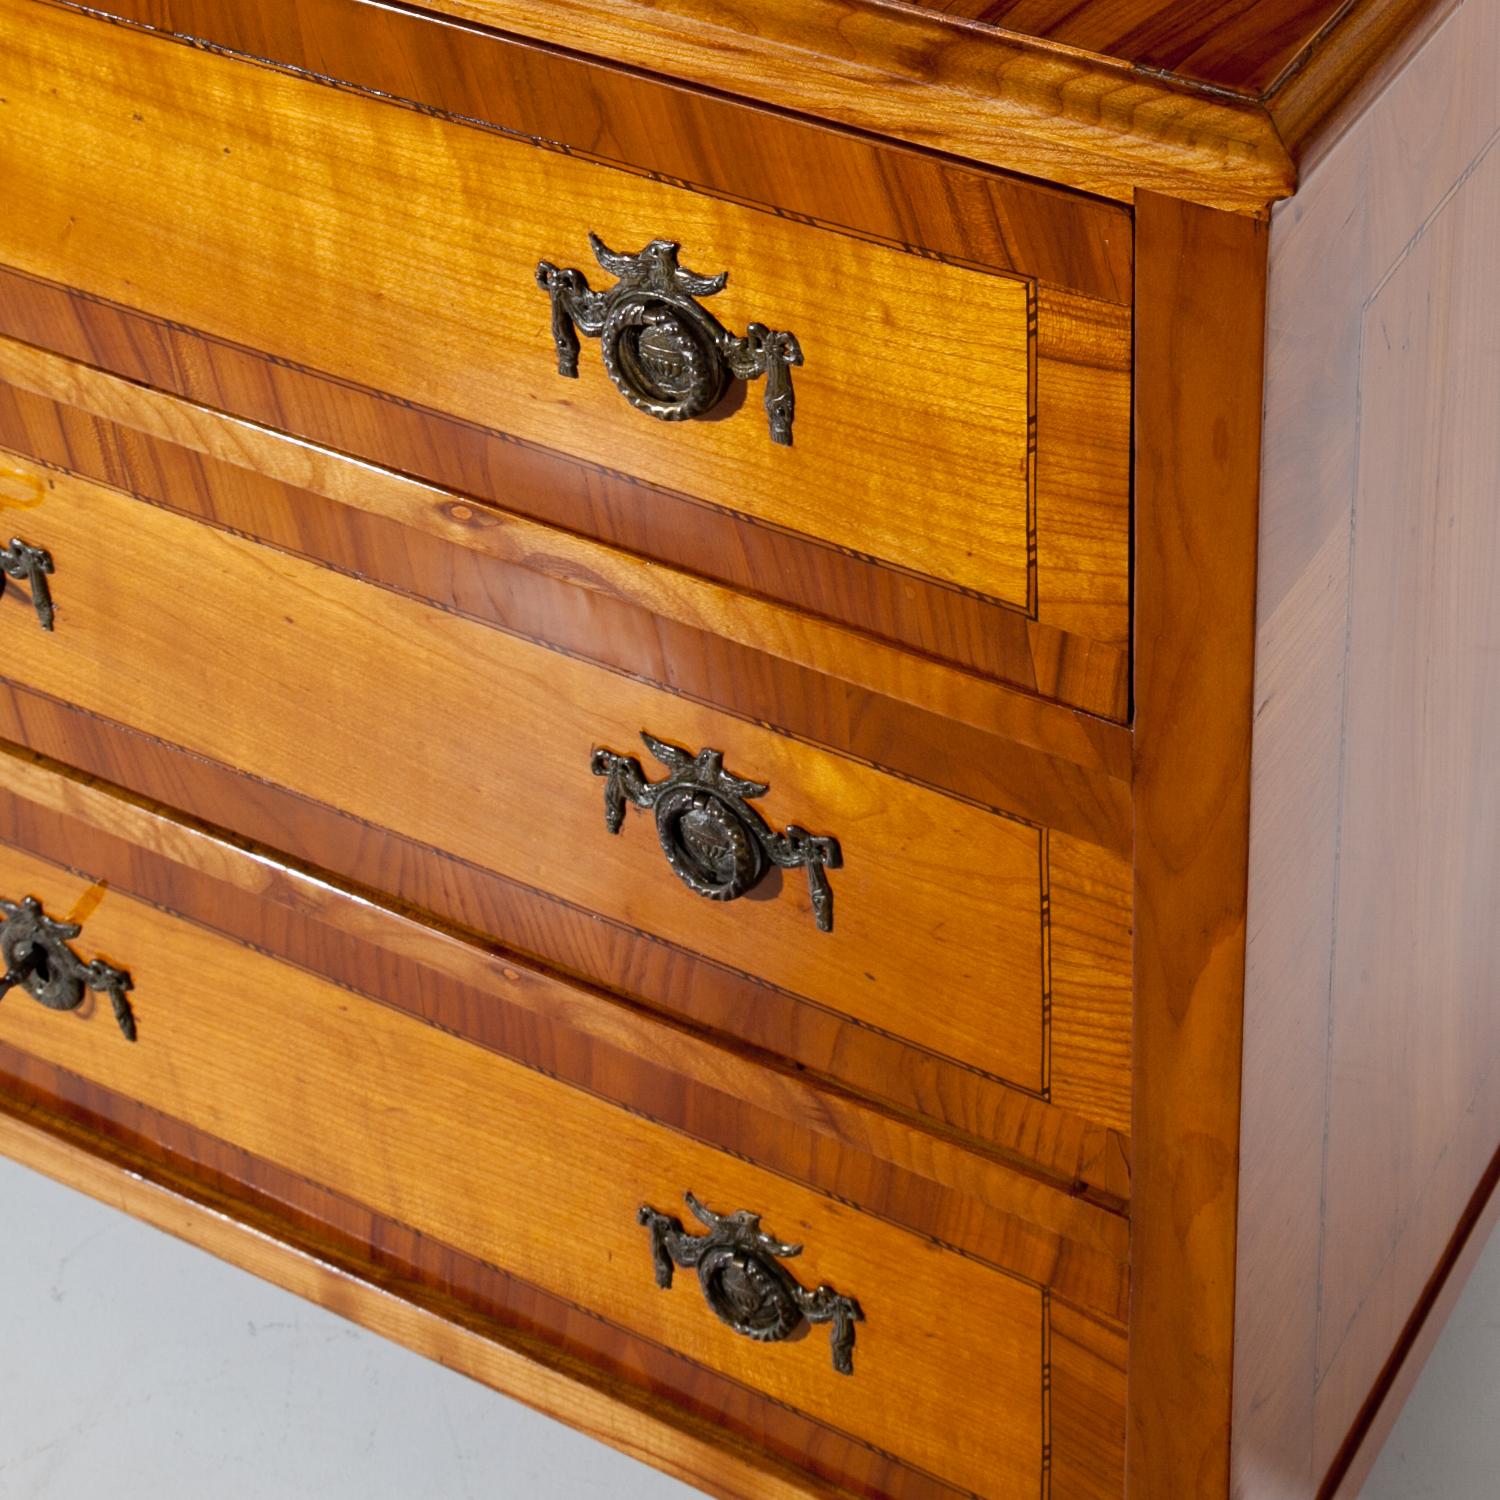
(891, 356)
(920, 615)
(1073, 1244)
(1200, 294)
(520, 1172)
(1330, 88)
(1050, 111)
(1244, 48)
(459, 1288)
(695, 1452)
(1371, 1113)
(875, 189)
(1218, 107)
(363, 1123)
(1302, 59)
(986, 1114)
(513, 1337)
(58, 430)
(987, 873)
(1153, 1029)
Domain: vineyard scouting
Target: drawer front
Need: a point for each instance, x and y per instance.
(479, 743)
(951, 425)
(514, 1168)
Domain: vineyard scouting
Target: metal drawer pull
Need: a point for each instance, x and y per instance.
(666, 353)
(739, 1269)
(29, 565)
(717, 843)
(35, 952)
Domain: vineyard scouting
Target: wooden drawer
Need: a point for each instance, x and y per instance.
(308, 1062)
(474, 745)
(959, 476)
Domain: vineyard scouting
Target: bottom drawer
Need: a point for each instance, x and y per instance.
(290, 1072)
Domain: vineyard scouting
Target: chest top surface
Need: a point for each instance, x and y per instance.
(1242, 45)
(1221, 102)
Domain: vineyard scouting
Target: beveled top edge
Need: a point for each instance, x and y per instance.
(1036, 108)
(1237, 46)
(1222, 116)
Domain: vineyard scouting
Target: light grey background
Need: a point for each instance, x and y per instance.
(136, 1367)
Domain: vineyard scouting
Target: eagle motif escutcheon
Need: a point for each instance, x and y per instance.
(37, 960)
(715, 842)
(665, 353)
(742, 1279)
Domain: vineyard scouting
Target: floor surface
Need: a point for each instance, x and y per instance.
(136, 1367)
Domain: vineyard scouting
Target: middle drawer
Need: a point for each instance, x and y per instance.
(985, 941)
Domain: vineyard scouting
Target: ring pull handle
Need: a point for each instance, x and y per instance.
(718, 844)
(30, 565)
(739, 1269)
(37, 959)
(662, 349)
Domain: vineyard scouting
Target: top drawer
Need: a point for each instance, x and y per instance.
(959, 474)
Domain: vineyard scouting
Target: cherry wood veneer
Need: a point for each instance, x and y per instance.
(917, 614)
(1144, 1090)
(987, 1114)
(480, 1154)
(1242, 47)
(1027, 507)
(1216, 104)
(1198, 384)
(200, 957)
(62, 430)
(1054, 1022)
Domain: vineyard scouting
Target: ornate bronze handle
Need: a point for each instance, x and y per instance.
(717, 843)
(666, 353)
(739, 1269)
(34, 949)
(29, 565)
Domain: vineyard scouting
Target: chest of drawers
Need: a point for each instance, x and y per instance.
(776, 724)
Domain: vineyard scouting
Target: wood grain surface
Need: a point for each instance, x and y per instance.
(930, 618)
(1370, 1107)
(470, 1294)
(99, 425)
(672, 1410)
(1011, 1079)
(703, 1452)
(944, 1195)
(1043, 109)
(315, 212)
(1200, 295)
(403, 1117)
(1006, 1213)
(984, 1113)
(307, 687)
(1217, 104)
(1237, 46)
(1336, 82)
(1419, 855)
(1028, 505)
(730, 148)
